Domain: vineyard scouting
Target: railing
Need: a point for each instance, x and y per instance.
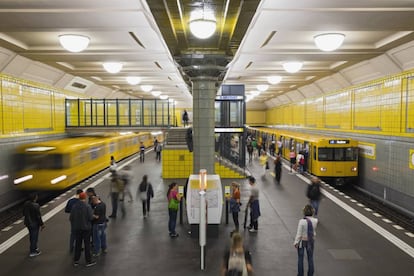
(119, 113)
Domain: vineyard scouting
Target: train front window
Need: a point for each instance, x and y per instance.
(337, 154)
(40, 161)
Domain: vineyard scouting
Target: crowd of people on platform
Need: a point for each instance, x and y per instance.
(88, 217)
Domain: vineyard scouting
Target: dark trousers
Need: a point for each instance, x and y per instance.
(33, 237)
(141, 156)
(236, 219)
(114, 201)
(158, 156)
(172, 221)
(71, 240)
(146, 206)
(82, 236)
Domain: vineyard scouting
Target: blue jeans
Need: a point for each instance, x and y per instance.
(301, 253)
(99, 237)
(33, 237)
(315, 205)
(172, 220)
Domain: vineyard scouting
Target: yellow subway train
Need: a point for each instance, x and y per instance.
(59, 164)
(331, 158)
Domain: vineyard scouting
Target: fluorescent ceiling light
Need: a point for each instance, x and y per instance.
(262, 87)
(329, 41)
(274, 79)
(146, 88)
(292, 66)
(133, 80)
(112, 67)
(202, 28)
(74, 43)
(164, 97)
(156, 93)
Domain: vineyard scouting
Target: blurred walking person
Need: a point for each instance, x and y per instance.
(145, 192)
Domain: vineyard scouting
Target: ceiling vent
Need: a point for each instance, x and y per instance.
(78, 85)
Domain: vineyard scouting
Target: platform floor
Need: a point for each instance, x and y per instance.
(346, 242)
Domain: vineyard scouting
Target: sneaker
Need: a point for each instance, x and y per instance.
(252, 230)
(34, 254)
(75, 264)
(92, 263)
(96, 254)
(104, 251)
(175, 235)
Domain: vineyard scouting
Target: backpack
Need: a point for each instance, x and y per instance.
(237, 264)
(302, 161)
(158, 148)
(313, 191)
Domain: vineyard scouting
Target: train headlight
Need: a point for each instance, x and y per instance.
(58, 179)
(22, 179)
(323, 169)
(354, 169)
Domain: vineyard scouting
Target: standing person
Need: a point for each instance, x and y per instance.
(173, 202)
(127, 180)
(304, 239)
(292, 156)
(158, 149)
(250, 152)
(115, 190)
(112, 164)
(33, 221)
(90, 192)
(314, 194)
(142, 153)
(71, 202)
(254, 205)
(237, 260)
(185, 118)
(99, 226)
(254, 145)
(81, 217)
(145, 192)
(235, 205)
(278, 169)
(300, 161)
(264, 162)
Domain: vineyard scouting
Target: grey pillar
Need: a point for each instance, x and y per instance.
(204, 94)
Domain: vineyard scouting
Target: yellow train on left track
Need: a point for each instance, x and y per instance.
(59, 164)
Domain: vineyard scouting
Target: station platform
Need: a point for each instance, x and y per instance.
(350, 240)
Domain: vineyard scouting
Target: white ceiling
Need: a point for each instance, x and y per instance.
(379, 41)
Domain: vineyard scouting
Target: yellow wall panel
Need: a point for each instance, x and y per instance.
(255, 117)
(338, 110)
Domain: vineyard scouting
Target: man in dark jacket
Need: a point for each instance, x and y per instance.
(81, 217)
(71, 202)
(33, 221)
(313, 192)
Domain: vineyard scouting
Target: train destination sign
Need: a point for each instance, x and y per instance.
(338, 141)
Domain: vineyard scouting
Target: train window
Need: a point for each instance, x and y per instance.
(40, 161)
(337, 154)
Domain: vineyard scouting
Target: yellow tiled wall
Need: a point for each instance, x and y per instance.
(384, 106)
(30, 108)
(178, 163)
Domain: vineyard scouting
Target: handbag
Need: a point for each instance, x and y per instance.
(144, 195)
(173, 204)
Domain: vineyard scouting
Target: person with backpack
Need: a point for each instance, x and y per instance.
(313, 192)
(278, 169)
(237, 260)
(305, 239)
(145, 192)
(174, 199)
(158, 149)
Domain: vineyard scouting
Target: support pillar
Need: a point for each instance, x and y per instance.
(204, 94)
